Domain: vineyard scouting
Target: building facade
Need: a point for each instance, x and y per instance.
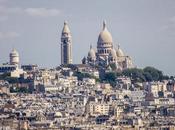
(13, 62)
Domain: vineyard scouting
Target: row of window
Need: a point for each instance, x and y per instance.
(104, 51)
(7, 69)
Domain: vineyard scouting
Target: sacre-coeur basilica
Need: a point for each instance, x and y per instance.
(104, 56)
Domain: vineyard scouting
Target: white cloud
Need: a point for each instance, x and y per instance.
(9, 35)
(6, 12)
(42, 12)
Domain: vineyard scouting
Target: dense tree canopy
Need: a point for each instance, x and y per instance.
(147, 74)
(7, 77)
(135, 74)
(154, 73)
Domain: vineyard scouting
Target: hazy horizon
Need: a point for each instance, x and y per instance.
(145, 29)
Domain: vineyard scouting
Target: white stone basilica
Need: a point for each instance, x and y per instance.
(106, 55)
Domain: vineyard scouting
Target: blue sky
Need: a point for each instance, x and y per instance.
(145, 29)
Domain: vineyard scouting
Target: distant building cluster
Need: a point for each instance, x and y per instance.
(58, 99)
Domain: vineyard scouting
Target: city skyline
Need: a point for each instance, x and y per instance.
(34, 29)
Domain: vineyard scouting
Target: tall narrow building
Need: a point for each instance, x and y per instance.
(66, 45)
(14, 57)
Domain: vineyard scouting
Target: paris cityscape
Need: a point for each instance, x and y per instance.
(54, 76)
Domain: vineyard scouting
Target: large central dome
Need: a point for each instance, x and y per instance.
(105, 35)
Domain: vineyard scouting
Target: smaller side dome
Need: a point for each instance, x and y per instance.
(119, 52)
(91, 53)
(113, 54)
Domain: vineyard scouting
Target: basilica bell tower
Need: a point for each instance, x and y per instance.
(66, 45)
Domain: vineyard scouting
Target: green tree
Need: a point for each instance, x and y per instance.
(113, 66)
(110, 77)
(4, 75)
(155, 73)
(135, 73)
(148, 76)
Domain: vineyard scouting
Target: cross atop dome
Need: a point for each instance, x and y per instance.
(65, 22)
(104, 24)
(90, 46)
(118, 46)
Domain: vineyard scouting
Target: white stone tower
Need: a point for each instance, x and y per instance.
(14, 58)
(66, 45)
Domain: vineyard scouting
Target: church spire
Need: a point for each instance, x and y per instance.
(66, 45)
(66, 28)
